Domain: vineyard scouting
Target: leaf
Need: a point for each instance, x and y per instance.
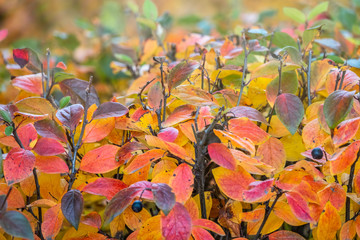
(285, 235)
(195, 96)
(222, 156)
(72, 204)
(348, 230)
(53, 220)
(282, 39)
(309, 35)
(98, 129)
(209, 225)
(51, 165)
(5, 116)
(92, 219)
(258, 190)
(163, 196)
(180, 73)
(329, 43)
(337, 106)
(30, 83)
(168, 134)
(290, 111)
(143, 160)
(60, 76)
(155, 96)
(35, 106)
(151, 229)
(50, 129)
(107, 187)
(289, 84)
(248, 112)
(346, 131)
(333, 193)
(9, 130)
(76, 89)
(48, 147)
(16, 224)
(121, 201)
(18, 165)
(70, 116)
(134, 220)
(319, 72)
(299, 206)
(272, 152)
(27, 57)
(295, 14)
(329, 222)
(177, 224)
(243, 127)
(150, 10)
(232, 183)
(64, 102)
(320, 8)
(110, 109)
(180, 114)
(200, 233)
(182, 182)
(100, 160)
(340, 162)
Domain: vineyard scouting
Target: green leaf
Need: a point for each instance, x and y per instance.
(309, 35)
(133, 6)
(347, 17)
(294, 54)
(282, 40)
(289, 84)
(146, 23)
(111, 17)
(320, 8)
(150, 10)
(64, 102)
(8, 130)
(295, 14)
(124, 58)
(337, 106)
(60, 76)
(5, 115)
(290, 111)
(16, 224)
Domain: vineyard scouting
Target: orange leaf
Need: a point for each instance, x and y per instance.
(53, 219)
(135, 220)
(243, 127)
(346, 131)
(151, 229)
(222, 156)
(27, 135)
(283, 211)
(313, 136)
(329, 223)
(180, 114)
(15, 199)
(92, 219)
(285, 235)
(342, 161)
(299, 206)
(236, 141)
(100, 160)
(232, 183)
(143, 160)
(272, 152)
(18, 165)
(51, 164)
(98, 129)
(201, 234)
(192, 208)
(333, 193)
(258, 190)
(182, 182)
(348, 230)
(209, 225)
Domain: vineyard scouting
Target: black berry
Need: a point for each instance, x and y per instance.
(137, 206)
(317, 153)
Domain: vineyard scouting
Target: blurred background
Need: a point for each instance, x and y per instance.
(83, 33)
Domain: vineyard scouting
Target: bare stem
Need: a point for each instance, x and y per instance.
(349, 188)
(308, 77)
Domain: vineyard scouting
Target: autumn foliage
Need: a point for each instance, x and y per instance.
(215, 139)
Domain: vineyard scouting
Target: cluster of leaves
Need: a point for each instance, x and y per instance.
(216, 139)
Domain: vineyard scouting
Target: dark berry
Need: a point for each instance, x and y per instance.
(317, 153)
(137, 206)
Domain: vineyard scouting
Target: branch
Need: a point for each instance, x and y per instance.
(308, 77)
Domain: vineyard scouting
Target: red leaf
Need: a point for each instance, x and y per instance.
(61, 65)
(182, 181)
(163, 196)
(100, 160)
(168, 134)
(180, 114)
(70, 116)
(48, 147)
(222, 156)
(299, 206)
(340, 162)
(92, 219)
(51, 165)
(18, 165)
(333, 193)
(180, 73)
(3, 34)
(110, 109)
(107, 187)
(30, 83)
(258, 190)
(21, 56)
(177, 224)
(125, 152)
(155, 96)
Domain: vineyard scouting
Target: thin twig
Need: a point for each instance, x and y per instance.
(349, 188)
(308, 77)
(269, 46)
